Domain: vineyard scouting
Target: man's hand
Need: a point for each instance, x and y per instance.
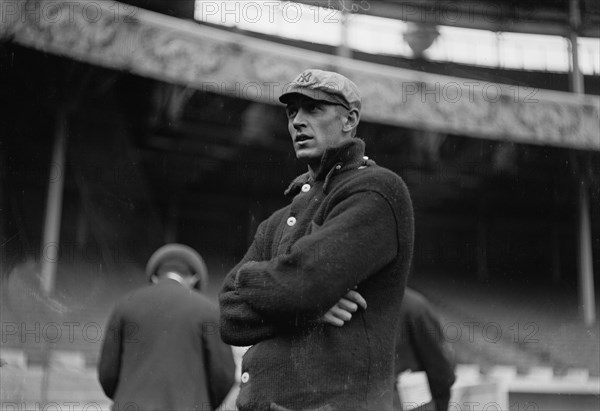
(342, 311)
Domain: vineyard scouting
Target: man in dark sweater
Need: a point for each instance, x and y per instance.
(347, 233)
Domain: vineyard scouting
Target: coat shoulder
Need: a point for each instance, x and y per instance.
(378, 179)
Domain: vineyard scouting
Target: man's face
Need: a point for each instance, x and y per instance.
(314, 126)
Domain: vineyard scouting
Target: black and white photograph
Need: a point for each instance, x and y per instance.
(314, 205)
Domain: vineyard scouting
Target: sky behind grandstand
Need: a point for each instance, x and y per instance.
(385, 36)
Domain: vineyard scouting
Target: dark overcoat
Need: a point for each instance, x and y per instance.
(162, 351)
(421, 346)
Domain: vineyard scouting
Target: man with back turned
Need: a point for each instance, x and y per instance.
(162, 349)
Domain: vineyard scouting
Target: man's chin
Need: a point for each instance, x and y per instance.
(304, 154)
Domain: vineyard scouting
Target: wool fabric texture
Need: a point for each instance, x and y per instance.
(352, 227)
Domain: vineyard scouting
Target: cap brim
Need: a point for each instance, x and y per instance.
(314, 95)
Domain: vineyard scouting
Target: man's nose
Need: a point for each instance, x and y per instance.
(299, 119)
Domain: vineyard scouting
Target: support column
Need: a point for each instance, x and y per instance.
(343, 50)
(51, 236)
(576, 76)
(555, 240)
(3, 219)
(585, 266)
(585, 260)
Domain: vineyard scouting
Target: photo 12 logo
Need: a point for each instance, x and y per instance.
(51, 406)
(60, 12)
(68, 332)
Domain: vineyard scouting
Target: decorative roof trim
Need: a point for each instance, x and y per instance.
(122, 37)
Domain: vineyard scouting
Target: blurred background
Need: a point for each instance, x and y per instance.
(127, 125)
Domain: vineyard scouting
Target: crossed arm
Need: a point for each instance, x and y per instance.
(315, 280)
(342, 311)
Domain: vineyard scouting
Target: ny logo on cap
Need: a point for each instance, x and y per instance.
(304, 77)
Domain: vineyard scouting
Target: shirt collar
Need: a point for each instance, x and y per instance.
(175, 277)
(349, 154)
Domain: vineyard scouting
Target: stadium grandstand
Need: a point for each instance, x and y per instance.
(126, 125)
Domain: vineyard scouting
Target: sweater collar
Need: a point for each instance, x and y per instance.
(349, 154)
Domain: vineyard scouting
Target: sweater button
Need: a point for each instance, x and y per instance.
(245, 377)
(291, 221)
(306, 188)
(338, 167)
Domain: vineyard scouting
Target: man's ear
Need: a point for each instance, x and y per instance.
(195, 284)
(351, 120)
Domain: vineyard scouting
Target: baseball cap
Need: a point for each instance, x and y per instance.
(324, 86)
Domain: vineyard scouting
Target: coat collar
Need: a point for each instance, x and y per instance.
(347, 155)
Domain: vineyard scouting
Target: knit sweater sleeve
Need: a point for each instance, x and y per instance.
(240, 323)
(356, 240)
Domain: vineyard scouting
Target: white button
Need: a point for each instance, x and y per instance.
(365, 158)
(306, 188)
(291, 221)
(245, 377)
(338, 167)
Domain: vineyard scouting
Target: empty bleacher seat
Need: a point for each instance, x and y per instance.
(13, 374)
(67, 360)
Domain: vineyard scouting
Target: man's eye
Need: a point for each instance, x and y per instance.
(312, 107)
(291, 112)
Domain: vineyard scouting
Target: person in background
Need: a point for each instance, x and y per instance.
(162, 349)
(420, 346)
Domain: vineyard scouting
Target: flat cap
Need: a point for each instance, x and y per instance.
(182, 253)
(324, 86)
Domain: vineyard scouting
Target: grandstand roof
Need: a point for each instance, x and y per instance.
(526, 16)
(200, 57)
